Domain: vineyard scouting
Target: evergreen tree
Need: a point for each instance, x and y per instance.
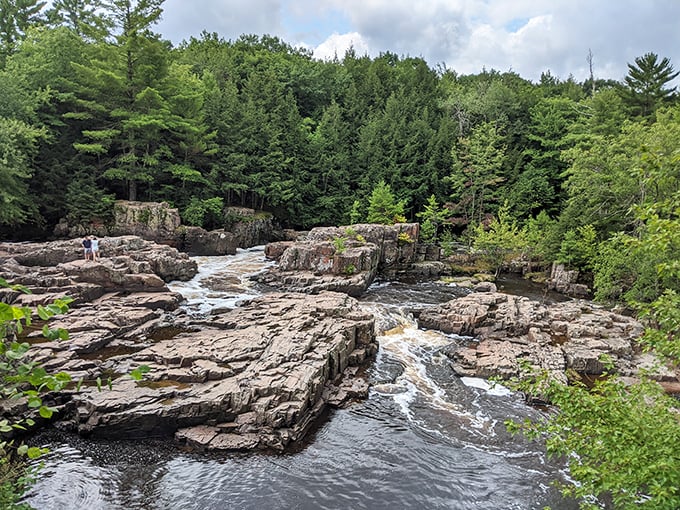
(647, 82)
(84, 17)
(16, 16)
(19, 137)
(477, 172)
(383, 207)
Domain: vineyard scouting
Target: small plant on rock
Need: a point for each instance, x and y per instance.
(350, 269)
(404, 238)
(339, 243)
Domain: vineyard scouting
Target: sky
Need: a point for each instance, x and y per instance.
(528, 37)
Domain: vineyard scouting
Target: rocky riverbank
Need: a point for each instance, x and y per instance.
(259, 375)
(571, 337)
(253, 377)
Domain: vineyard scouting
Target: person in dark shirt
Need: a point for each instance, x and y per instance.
(87, 247)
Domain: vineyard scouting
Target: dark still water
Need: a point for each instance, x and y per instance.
(424, 439)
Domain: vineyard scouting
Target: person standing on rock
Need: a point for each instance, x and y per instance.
(87, 247)
(95, 248)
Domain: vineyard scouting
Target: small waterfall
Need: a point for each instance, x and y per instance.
(223, 281)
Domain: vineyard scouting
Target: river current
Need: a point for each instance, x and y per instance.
(424, 439)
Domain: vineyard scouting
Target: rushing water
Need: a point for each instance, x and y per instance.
(423, 439)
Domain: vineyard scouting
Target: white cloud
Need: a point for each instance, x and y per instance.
(338, 44)
(229, 18)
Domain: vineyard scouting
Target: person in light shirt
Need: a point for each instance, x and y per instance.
(95, 248)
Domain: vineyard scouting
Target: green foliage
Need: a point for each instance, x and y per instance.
(646, 83)
(23, 378)
(542, 238)
(579, 248)
(383, 207)
(476, 175)
(15, 479)
(447, 243)
(16, 16)
(355, 214)
(206, 213)
(350, 269)
(17, 145)
(87, 202)
(138, 373)
(500, 241)
(340, 244)
(84, 17)
(432, 216)
(405, 238)
(618, 440)
(617, 269)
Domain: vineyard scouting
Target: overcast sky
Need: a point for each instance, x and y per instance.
(524, 36)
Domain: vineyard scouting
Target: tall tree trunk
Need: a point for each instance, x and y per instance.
(132, 190)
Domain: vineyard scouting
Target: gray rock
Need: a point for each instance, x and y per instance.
(344, 259)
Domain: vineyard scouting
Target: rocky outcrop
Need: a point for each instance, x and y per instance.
(251, 228)
(125, 253)
(84, 281)
(253, 377)
(396, 243)
(244, 228)
(503, 329)
(197, 241)
(155, 221)
(344, 259)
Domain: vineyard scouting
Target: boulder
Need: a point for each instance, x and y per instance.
(567, 282)
(197, 241)
(251, 228)
(155, 221)
(396, 243)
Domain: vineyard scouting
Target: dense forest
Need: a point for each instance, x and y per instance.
(95, 106)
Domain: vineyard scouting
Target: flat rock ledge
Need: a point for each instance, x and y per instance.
(254, 377)
(130, 254)
(499, 330)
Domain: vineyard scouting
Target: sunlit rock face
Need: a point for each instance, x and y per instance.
(256, 376)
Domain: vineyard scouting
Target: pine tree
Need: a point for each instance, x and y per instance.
(647, 83)
(15, 18)
(383, 207)
(84, 17)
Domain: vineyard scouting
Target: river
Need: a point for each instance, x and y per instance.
(423, 439)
